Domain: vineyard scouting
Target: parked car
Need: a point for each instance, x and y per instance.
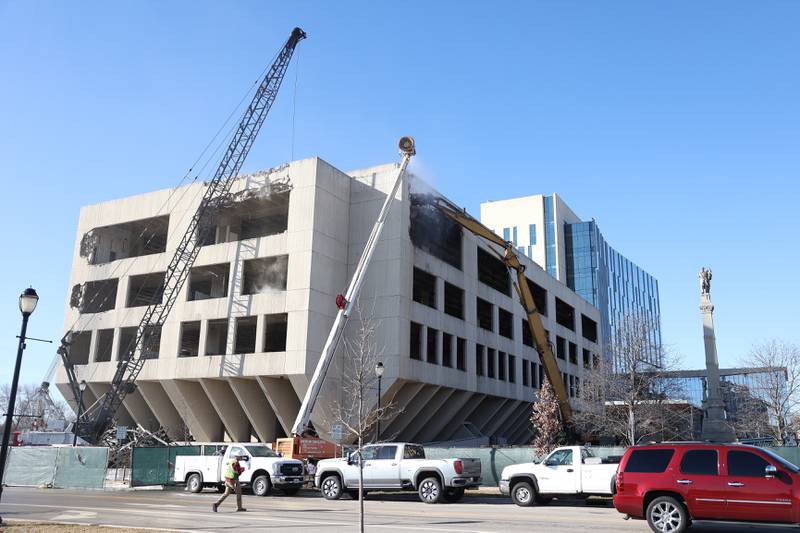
(670, 485)
(570, 471)
(399, 466)
(264, 469)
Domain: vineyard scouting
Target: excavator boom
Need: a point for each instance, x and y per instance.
(512, 262)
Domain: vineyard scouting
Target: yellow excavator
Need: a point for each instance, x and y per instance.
(512, 262)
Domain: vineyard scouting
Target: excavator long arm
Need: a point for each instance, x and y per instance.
(512, 262)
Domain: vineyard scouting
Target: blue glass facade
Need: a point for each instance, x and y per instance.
(612, 283)
(550, 237)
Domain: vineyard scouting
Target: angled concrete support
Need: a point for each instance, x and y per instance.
(195, 409)
(122, 416)
(139, 410)
(516, 424)
(458, 419)
(396, 430)
(482, 416)
(161, 406)
(443, 417)
(257, 408)
(497, 422)
(282, 398)
(397, 397)
(237, 426)
(427, 416)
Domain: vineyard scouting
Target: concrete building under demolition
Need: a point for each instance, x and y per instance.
(237, 352)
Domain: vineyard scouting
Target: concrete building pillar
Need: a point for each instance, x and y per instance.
(420, 421)
(396, 430)
(488, 409)
(257, 408)
(456, 422)
(122, 416)
(139, 410)
(283, 400)
(443, 416)
(161, 406)
(227, 407)
(195, 409)
(496, 422)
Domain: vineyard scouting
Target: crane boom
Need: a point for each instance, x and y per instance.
(97, 417)
(345, 303)
(512, 262)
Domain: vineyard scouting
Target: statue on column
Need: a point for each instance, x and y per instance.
(705, 281)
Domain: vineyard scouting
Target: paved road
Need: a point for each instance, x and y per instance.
(393, 513)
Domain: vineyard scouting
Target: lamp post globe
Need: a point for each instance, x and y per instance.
(379, 369)
(27, 301)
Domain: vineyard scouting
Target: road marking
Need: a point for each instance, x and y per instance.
(74, 514)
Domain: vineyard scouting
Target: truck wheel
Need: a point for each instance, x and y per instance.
(523, 494)
(430, 490)
(667, 515)
(453, 494)
(194, 483)
(261, 485)
(331, 487)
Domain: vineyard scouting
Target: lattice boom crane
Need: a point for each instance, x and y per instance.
(96, 419)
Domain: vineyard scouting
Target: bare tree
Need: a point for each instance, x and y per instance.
(546, 421)
(33, 410)
(627, 397)
(359, 381)
(776, 391)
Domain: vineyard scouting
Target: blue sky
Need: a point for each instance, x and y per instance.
(674, 124)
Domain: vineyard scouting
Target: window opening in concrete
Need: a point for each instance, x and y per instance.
(105, 342)
(129, 239)
(565, 314)
(415, 342)
(424, 290)
(479, 357)
(80, 342)
(447, 350)
(265, 274)
(587, 358)
(588, 328)
(245, 334)
(145, 289)
(512, 369)
(432, 355)
(94, 296)
(189, 344)
(453, 300)
(151, 338)
(433, 231)
(561, 347)
(573, 353)
(595, 360)
(539, 294)
(249, 214)
(577, 387)
(527, 336)
(275, 328)
(461, 354)
(209, 281)
(541, 374)
(485, 314)
(217, 337)
(491, 362)
(501, 366)
(571, 386)
(493, 272)
(505, 323)
(526, 378)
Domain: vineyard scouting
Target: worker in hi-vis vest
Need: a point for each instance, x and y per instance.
(233, 469)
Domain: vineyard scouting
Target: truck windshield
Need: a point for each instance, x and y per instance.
(261, 451)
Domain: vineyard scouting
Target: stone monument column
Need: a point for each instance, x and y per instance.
(715, 428)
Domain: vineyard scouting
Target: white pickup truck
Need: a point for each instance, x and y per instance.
(399, 466)
(264, 469)
(571, 471)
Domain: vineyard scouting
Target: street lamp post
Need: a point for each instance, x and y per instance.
(27, 303)
(81, 388)
(379, 373)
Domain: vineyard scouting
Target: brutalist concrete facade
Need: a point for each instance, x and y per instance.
(236, 354)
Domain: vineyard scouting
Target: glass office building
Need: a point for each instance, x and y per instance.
(612, 283)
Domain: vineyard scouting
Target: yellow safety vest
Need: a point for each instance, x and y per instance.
(230, 473)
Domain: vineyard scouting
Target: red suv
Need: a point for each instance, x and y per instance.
(672, 484)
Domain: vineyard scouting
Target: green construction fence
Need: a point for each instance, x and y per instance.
(156, 466)
(62, 467)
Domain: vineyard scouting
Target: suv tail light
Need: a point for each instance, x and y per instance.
(619, 481)
(459, 466)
